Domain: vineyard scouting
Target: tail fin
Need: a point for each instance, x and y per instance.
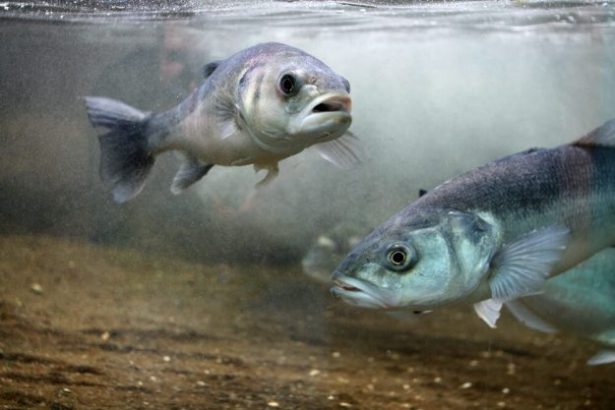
(125, 160)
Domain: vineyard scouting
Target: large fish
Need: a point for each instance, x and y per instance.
(579, 301)
(259, 106)
(491, 235)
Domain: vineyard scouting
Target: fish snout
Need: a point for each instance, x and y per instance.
(336, 103)
(325, 117)
(338, 281)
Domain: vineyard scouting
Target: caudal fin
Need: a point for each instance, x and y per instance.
(125, 160)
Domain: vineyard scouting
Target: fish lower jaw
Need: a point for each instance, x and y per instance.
(356, 296)
(346, 287)
(319, 124)
(282, 148)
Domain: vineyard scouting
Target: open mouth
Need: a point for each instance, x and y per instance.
(360, 293)
(326, 117)
(346, 287)
(333, 104)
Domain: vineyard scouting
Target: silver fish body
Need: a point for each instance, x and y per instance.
(259, 106)
(491, 235)
(580, 301)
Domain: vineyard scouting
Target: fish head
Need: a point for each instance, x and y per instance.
(291, 100)
(419, 264)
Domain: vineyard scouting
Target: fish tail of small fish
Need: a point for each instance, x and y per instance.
(125, 158)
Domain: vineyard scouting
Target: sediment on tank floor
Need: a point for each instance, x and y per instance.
(84, 326)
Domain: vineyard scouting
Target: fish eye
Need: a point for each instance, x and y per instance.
(289, 85)
(400, 257)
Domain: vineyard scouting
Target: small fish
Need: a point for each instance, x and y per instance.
(491, 235)
(580, 301)
(329, 248)
(259, 106)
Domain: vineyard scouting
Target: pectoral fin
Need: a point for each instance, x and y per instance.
(345, 152)
(521, 268)
(229, 128)
(489, 311)
(602, 357)
(190, 171)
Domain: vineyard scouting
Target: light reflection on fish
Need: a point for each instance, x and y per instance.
(259, 106)
(491, 235)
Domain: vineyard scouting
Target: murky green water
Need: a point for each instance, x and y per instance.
(438, 88)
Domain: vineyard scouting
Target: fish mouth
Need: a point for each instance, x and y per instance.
(327, 115)
(332, 103)
(358, 292)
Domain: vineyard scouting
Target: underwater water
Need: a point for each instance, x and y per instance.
(199, 302)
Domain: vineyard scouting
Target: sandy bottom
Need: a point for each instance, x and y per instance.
(86, 327)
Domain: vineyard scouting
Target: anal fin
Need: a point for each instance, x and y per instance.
(529, 318)
(190, 171)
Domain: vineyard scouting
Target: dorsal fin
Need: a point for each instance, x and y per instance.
(532, 150)
(602, 136)
(209, 68)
